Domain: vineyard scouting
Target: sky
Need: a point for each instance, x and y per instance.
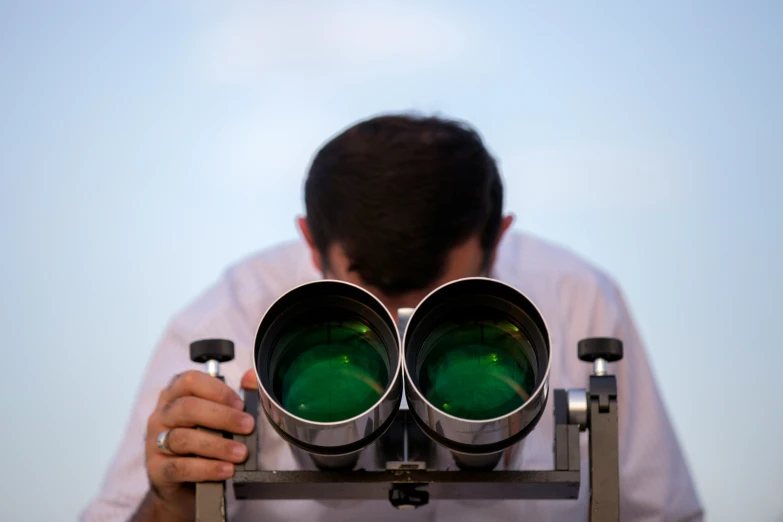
(145, 146)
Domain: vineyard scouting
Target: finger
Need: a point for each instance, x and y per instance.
(190, 411)
(176, 470)
(249, 381)
(186, 441)
(201, 385)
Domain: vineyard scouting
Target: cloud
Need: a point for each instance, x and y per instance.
(589, 176)
(324, 36)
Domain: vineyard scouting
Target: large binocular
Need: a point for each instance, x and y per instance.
(470, 364)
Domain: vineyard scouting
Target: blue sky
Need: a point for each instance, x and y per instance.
(145, 146)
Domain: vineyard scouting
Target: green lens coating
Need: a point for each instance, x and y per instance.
(476, 370)
(330, 371)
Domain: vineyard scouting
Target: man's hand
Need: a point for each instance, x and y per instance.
(193, 399)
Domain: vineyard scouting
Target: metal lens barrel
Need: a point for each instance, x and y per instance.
(476, 360)
(329, 371)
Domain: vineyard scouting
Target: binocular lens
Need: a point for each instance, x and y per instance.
(330, 370)
(475, 367)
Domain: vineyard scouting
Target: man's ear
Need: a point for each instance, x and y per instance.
(505, 224)
(304, 228)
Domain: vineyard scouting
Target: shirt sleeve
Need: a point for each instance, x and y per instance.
(655, 482)
(125, 483)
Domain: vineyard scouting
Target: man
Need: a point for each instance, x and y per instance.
(398, 205)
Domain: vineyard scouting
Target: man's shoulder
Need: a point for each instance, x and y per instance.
(275, 269)
(577, 298)
(250, 284)
(526, 259)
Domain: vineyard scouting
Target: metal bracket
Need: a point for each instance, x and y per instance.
(567, 451)
(604, 458)
(251, 440)
(211, 496)
(412, 488)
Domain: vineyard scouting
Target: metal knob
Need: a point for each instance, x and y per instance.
(606, 348)
(212, 352)
(577, 407)
(600, 351)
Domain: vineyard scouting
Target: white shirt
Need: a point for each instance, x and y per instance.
(576, 300)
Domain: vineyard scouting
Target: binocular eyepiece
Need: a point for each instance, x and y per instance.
(473, 362)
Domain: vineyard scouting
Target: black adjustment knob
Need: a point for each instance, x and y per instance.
(408, 497)
(606, 348)
(220, 350)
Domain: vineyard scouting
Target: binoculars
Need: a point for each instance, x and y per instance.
(472, 360)
(467, 370)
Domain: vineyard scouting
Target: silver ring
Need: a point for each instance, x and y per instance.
(163, 442)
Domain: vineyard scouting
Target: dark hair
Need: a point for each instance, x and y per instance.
(398, 192)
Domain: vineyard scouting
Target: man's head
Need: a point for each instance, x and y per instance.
(401, 204)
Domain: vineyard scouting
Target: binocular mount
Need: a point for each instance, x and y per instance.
(407, 486)
(466, 371)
